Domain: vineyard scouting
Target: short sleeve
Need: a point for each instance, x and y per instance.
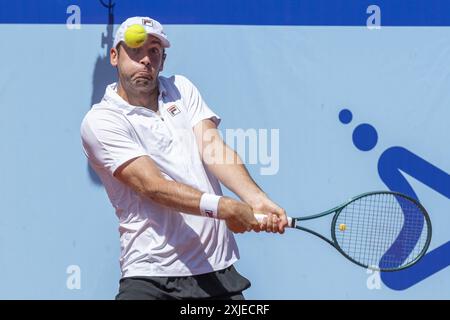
(108, 142)
(197, 108)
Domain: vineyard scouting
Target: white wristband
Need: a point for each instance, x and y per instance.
(209, 204)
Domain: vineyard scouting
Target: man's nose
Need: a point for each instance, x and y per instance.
(146, 60)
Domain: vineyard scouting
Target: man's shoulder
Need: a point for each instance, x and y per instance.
(101, 114)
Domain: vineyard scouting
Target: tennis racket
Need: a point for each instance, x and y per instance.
(382, 230)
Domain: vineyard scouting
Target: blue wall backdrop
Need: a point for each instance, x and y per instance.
(291, 66)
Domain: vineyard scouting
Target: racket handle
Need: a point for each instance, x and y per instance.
(260, 217)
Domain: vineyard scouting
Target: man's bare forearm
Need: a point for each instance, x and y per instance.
(143, 176)
(228, 167)
(225, 163)
(175, 195)
(184, 198)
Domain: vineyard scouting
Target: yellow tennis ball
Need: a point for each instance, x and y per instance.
(135, 36)
(342, 226)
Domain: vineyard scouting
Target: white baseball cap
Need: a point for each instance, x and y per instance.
(152, 27)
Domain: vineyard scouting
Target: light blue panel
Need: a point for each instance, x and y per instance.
(295, 79)
(53, 217)
(298, 79)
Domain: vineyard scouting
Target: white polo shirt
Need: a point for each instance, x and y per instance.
(155, 240)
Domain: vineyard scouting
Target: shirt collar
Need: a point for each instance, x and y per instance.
(113, 97)
(162, 88)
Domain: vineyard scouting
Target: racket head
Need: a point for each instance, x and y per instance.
(382, 230)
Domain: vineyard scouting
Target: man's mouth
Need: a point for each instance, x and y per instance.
(144, 75)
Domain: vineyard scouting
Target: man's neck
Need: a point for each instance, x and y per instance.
(147, 100)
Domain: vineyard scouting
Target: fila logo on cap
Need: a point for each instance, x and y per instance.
(147, 22)
(173, 110)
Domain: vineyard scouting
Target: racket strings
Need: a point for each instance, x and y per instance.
(382, 231)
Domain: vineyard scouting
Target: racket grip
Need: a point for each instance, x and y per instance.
(260, 217)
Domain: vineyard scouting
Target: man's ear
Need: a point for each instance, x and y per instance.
(114, 56)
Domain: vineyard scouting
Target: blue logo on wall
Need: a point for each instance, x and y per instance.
(392, 162)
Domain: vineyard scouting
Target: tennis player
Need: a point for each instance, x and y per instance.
(154, 143)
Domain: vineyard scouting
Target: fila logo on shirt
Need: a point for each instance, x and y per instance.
(173, 110)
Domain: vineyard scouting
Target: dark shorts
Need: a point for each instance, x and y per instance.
(225, 284)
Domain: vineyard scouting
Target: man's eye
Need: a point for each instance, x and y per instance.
(155, 50)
